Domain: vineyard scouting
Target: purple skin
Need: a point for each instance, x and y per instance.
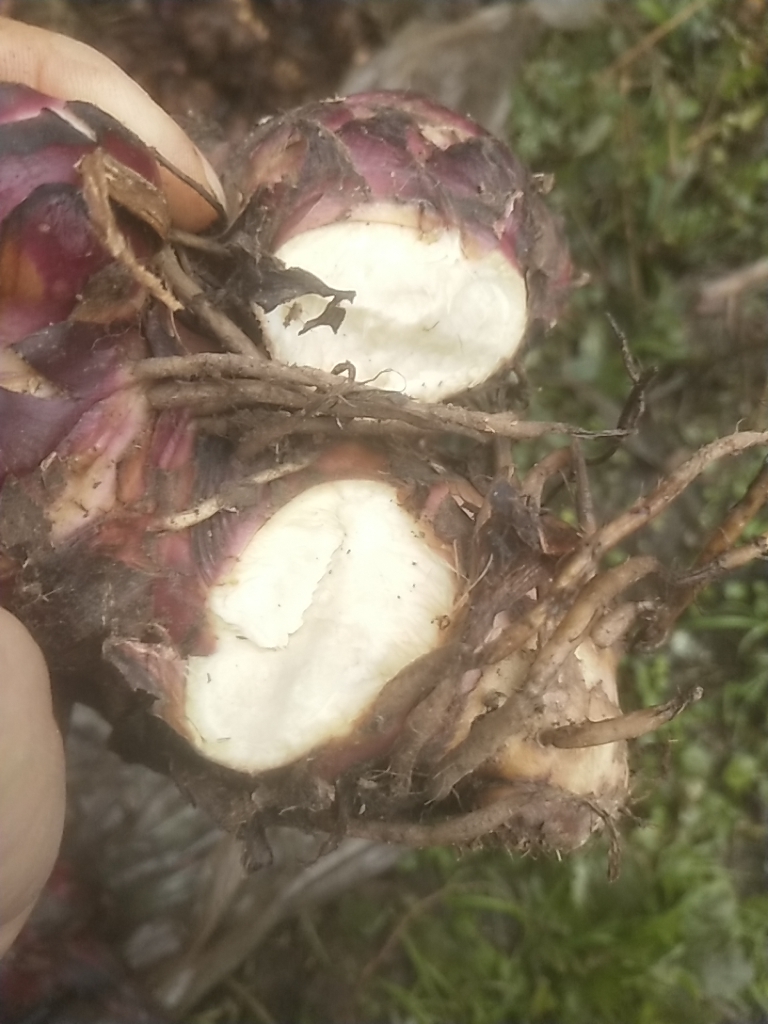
(320, 164)
(48, 254)
(73, 425)
(31, 122)
(83, 365)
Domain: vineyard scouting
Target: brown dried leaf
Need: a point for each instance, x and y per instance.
(106, 179)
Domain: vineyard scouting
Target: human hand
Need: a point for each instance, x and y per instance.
(31, 754)
(31, 777)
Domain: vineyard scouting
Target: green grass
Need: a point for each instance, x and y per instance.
(661, 175)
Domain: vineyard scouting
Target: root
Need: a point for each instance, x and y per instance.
(282, 426)
(413, 684)
(593, 599)
(524, 804)
(193, 297)
(318, 393)
(634, 406)
(104, 179)
(646, 509)
(588, 610)
(490, 732)
(718, 557)
(585, 504)
(623, 727)
(557, 462)
(612, 628)
(730, 561)
(538, 477)
(231, 499)
(576, 624)
(420, 731)
(256, 431)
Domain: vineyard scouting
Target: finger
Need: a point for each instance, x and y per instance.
(31, 777)
(70, 70)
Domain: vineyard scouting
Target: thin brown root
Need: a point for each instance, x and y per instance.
(596, 596)
(623, 727)
(408, 689)
(614, 840)
(612, 627)
(192, 296)
(631, 365)
(576, 624)
(491, 731)
(740, 516)
(648, 508)
(557, 462)
(209, 399)
(634, 406)
(391, 710)
(350, 401)
(360, 400)
(419, 730)
(220, 365)
(730, 561)
(282, 426)
(104, 179)
(232, 499)
(585, 506)
(564, 458)
(463, 829)
(716, 558)
(537, 478)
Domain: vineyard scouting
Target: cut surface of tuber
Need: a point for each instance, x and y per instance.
(429, 318)
(335, 594)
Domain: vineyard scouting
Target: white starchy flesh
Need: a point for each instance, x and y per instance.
(429, 319)
(335, 594)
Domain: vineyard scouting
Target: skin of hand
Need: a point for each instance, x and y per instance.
(31, 753)
(31, 777)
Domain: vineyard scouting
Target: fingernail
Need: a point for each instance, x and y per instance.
(213, 182)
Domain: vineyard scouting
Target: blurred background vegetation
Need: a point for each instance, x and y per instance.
(653, 123)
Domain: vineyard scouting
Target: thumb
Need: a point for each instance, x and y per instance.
(31, 777)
